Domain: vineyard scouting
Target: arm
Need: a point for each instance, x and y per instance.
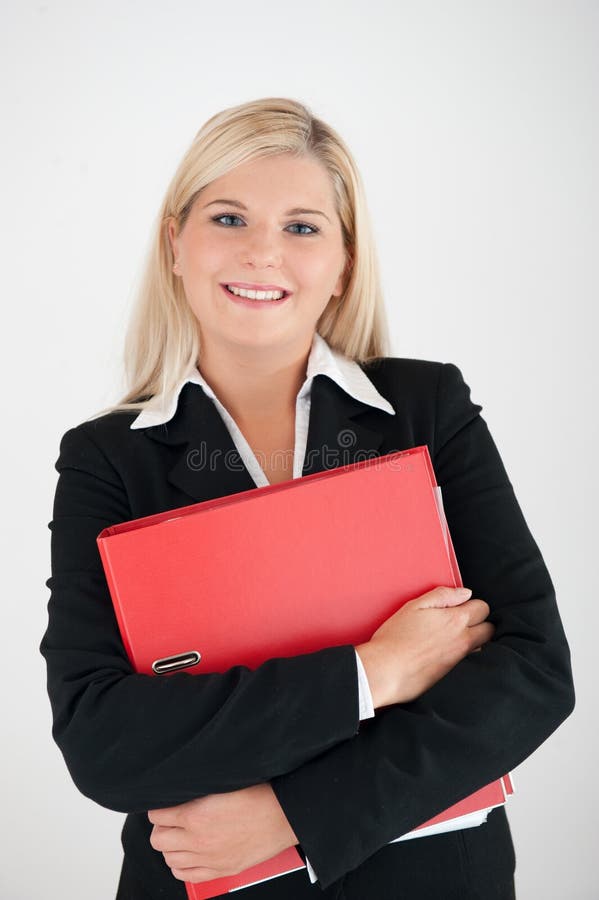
(133, 742)
(228, 832)
(483, 718)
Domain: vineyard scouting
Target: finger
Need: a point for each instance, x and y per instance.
(478, 611)
(165, 838)
(168, 816)
(480, 634)
(196, 875)
(183, 859)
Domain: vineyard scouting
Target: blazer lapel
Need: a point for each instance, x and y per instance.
(335, 435)
(207, 464)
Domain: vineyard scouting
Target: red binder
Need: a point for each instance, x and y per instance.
(287, 569)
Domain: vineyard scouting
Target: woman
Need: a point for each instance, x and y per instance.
(221, 771)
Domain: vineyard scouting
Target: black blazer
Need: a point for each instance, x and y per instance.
(133, 742)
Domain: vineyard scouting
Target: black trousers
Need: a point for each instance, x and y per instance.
(472, 864)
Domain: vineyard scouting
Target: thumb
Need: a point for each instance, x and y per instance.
(444, 596)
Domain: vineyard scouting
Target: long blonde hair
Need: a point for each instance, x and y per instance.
(162, 339)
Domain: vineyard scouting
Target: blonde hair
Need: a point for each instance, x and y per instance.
(162, 338)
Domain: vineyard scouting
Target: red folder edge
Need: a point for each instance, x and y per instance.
(283, 864)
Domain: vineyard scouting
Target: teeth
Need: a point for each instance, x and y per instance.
(256, 295)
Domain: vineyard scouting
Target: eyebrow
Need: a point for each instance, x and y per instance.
(296, 211)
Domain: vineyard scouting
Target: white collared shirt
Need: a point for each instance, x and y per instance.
(323, 360)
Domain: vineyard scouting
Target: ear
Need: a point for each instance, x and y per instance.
(173, 238)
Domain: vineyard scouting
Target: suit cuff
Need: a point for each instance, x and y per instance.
(366, 706)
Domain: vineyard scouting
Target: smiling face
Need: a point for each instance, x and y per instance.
(262, 240)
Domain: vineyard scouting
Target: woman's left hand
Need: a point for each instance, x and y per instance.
(221, 834)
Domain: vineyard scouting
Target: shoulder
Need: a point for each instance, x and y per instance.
(95, 444)
(391, 369)
(430, 396)
(417, 380)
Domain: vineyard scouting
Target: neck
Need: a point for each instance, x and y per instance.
(253, 384)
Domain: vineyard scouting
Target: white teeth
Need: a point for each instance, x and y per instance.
(255, 295)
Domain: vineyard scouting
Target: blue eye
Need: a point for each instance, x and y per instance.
(224, 216)
(314, 229)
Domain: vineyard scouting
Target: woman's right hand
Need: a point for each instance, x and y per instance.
(421, 642)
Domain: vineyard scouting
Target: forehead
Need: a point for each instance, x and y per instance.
(283, 179)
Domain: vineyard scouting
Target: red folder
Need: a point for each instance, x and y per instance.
(290, 568)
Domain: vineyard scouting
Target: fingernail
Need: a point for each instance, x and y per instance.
(464, 592)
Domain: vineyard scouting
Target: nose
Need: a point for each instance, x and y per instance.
(262, 249)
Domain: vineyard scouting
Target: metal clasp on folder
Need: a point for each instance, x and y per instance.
(174, 663)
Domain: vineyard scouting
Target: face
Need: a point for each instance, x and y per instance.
(259, 241)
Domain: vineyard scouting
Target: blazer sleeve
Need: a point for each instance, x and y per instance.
(491, 711)
(133, 742)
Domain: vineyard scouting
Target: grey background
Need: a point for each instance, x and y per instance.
(475, 129)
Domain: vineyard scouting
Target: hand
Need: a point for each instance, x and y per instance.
(416, 646)
(221, 834)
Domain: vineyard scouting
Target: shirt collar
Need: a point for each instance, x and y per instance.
(323, 360)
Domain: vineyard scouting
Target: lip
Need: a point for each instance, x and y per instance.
(246, 286)
(255, 304)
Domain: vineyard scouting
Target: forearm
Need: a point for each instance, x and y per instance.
(487, 714)
(414, 760)
(134, 742)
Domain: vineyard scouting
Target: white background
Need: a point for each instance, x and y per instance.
(475, 127)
